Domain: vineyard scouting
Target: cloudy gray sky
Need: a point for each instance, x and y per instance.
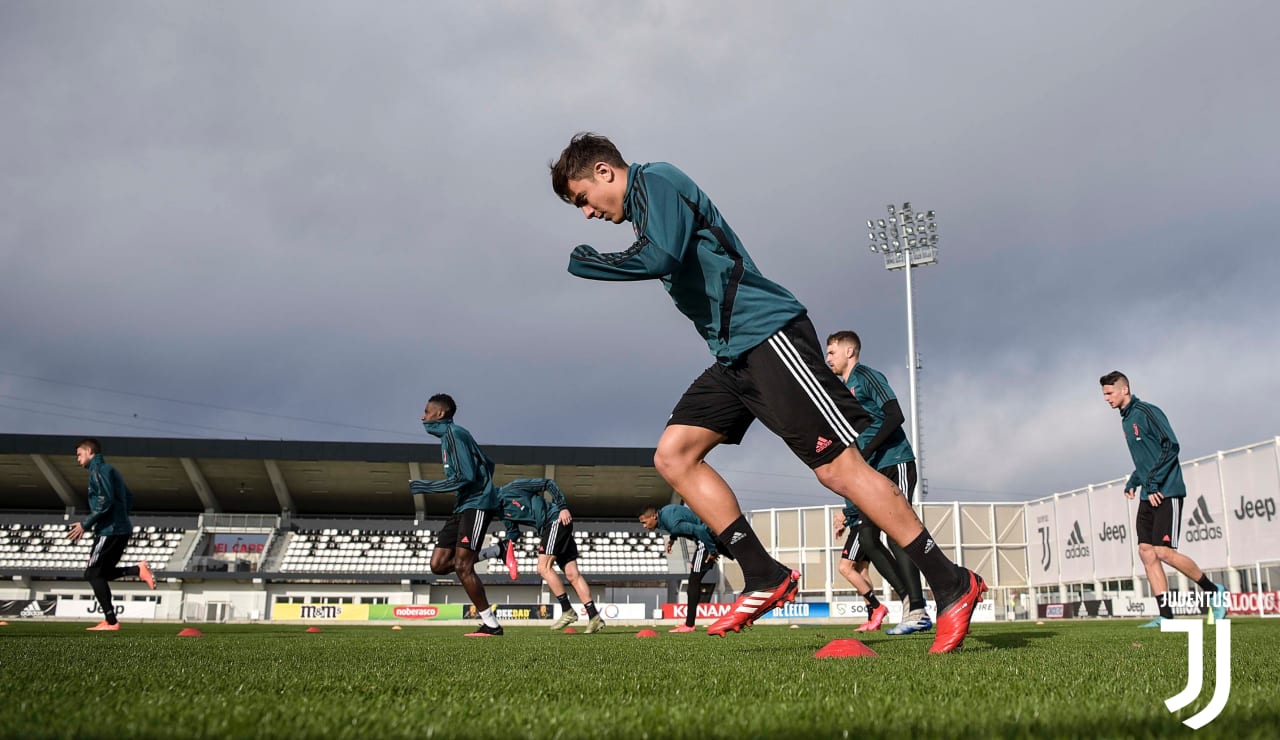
(325, 212)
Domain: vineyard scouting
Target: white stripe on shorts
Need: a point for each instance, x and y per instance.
(790, 357)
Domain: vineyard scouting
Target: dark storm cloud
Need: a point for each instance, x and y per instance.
(330, 211)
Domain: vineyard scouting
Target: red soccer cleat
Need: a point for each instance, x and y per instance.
(875, 620)
(513, 568)
(953, 621)
(752, 605)
(683, 628)
(144, 572)
(103, 626)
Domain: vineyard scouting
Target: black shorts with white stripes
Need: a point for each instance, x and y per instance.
(786, 384)
(557, 539)
(465, 528)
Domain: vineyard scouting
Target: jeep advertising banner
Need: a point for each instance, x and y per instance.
(415, 612)
(1111, 515)
(1074, 538)
(1204, 536)
(321, 612)
(89, 609)
(1042, 561)
(28, 608)
(1252, 484)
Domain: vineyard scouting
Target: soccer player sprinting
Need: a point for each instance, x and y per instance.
(469, 475)
(1157, 472)
(854, 559)
(109, 505)
(522, 503)
(768, 365)
(885, 447)
(680, 522)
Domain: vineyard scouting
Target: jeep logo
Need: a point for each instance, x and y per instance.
(1113, 532)
(1256, 509)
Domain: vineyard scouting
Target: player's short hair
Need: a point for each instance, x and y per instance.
(850, 337)
(445, 401)
(578, 159)
(90, 444)
(1115, 377)
(648, 510)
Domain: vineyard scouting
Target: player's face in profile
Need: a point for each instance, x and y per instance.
(838, 358)
(600, 196)
(650, 521)
(432, 413)
(83, 455)
(1115, 395)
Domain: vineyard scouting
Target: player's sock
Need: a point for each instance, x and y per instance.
(872, 601)
(759, 570)
(590, 606)
(492, 552)
(564, 601)
(1166, 609)
(488, 617)
(132, 570)
(943, 575)
(110, 616)
(1207, 584)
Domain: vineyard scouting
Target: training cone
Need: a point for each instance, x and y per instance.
(397, 627)
(3, 623)
(646, 633)
(190, 632)
(570, 631)
(846, 647)
(313, 629)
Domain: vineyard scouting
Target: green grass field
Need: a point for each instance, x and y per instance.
(1086, 679)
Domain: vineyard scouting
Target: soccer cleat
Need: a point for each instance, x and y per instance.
(103, 626)
(752, 605)
(1218, 605)
(875, 620)
(486, 631)
(953, 621)
(683, 628)
(144, 572)
(513, 568)
(1153, 623)
(916, 620)
(567, 618)
(595, 625)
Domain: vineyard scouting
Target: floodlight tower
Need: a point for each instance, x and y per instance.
(908, 239)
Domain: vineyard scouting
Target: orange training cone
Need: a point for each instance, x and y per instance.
(845, 648)
(313, 629)
(570, 631)
(190, 632)
(646, 633)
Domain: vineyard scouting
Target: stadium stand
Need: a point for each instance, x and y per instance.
(28, 546)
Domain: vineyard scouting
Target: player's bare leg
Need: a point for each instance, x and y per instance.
(442, 561)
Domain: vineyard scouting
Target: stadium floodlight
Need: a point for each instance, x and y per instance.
(909, 240)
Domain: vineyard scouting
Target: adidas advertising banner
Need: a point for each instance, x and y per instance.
(1111, 515)
(1203, 534)
(321, 612)
(1074, 538)
(89, 609)
(28, 608)
(1077, 609)
(1042, 561)
(1252, 485)
(414, 612)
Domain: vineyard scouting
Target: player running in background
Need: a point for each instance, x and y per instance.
(109, 505)
(1156, 471)
(768, 365)
(468, 473)
(885, 447)
(523, 503)
(680, 522)
(854, 559)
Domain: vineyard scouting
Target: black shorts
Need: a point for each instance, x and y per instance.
(107, 551)
(698, 564)
(853, 550)
(465, 529)
(903, 475)
(557, 540)
(786, 384)
(1159, 525)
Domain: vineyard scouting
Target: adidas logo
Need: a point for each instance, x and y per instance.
(737, 537)
(1200, 526)
(466, 540)
(823, 443)
(1102, 609)
(928, 545)
(1076, 547)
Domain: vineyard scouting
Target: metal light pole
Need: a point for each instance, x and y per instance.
(908, 239)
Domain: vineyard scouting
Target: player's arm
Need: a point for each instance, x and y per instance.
(462, 469)
(881, 429)
(1168, 452)
(664, 230)
(838, 524)
(101, 496)
(558, 499)
(1131, 485)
